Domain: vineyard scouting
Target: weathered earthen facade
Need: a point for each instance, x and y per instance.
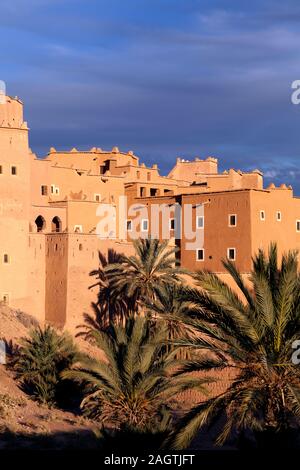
(48, 208)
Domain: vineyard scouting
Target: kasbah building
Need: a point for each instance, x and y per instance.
(48, 239)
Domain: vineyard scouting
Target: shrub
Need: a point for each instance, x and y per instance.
(41, 359)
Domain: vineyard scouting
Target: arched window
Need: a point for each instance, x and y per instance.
(56, 224)
(40, 223)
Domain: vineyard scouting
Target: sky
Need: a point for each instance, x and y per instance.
(164, 78)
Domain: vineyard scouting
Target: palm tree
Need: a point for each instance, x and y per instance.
(110, 307)
(169, 309)
(40, 360)
(133, 384)
(253, 336)
(142, 276)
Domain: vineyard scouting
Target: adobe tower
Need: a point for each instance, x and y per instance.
(14, 201)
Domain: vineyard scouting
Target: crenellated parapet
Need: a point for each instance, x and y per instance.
(11, 113)
(189, 169)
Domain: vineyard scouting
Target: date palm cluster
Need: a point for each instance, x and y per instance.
(164, 330)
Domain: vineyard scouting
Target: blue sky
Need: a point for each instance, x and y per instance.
(164, 78)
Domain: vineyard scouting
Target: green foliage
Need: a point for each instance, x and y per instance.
(254, 337)
(169, 310)
(110, 306)
(41, 359)
(142, 276)
(135, 382)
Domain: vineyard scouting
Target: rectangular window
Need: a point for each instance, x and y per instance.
(44, 190)
(172, 224)
(97, 197)
(5, 258)
(5, 299)
(14, 170)
(1, 170)
(297, 225)
(278, 216)
(232, 220)
(231, 254)
(142, 192)
(52, 188)
(144, 225)
(129, 225)
(200, 254)
(56, 190)
(262, 215)
(153, 192)
(149, 176)
(200, 221)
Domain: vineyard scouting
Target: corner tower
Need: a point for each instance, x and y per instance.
(14, 202)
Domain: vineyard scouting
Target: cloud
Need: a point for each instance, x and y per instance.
(271, 174)
(163, 78)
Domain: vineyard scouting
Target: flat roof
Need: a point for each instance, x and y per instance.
(208, 192)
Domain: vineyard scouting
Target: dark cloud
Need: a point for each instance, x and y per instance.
(164, 78)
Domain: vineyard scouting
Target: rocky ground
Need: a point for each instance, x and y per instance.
(25, 423)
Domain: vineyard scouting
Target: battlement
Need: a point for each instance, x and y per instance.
(11, 113)
(283, 186)
(188, 169)
(94, 150)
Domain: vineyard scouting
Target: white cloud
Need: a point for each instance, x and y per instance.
(271, 174)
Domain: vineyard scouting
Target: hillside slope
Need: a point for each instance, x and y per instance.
(24, 422)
